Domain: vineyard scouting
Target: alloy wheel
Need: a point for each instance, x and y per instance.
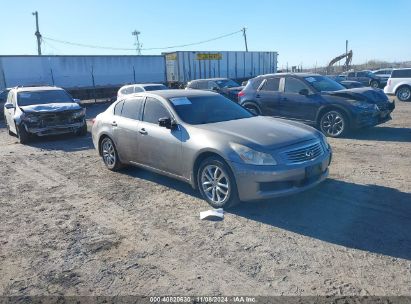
(108, 152)
(333, 123)
(404, 94)
(215, 184)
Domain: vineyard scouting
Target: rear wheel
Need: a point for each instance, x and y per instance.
(374, 84)
(333, 123)
(217, 184)
(253, 108)
(110, 155)
(404, 93)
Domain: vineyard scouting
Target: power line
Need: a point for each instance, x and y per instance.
(142, 49)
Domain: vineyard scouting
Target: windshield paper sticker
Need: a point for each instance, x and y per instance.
(311, 79)
(180, 101)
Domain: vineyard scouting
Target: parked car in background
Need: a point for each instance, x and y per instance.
(384, 73)
(316, 100)
(212, 143)
(399, 84)
(43, 111)
(348, 84)
(225, 86)
(139, 87)
(367, 78)
(3, 98)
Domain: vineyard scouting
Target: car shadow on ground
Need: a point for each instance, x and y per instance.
(382, 134)
(160, 179)
(366, 217)
(64, 142)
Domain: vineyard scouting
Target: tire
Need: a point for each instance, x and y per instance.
(374, 84)
(82, 131)
(217, 184)
(333, 123)
(22, 134)
(253, 108)
(109, 154)
(404, 93)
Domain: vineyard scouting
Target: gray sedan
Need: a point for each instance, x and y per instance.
(213, 144)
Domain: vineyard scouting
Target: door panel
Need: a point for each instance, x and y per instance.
(268, 96)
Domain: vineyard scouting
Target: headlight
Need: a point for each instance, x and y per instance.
(363, 105)
(79, 114)
(252, 157)
(324, 141)
(30, 118)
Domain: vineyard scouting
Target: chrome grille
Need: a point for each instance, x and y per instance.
(304, 153)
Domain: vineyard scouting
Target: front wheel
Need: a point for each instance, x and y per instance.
(404, 93)
(374, 84)
(22, 134)
(110, 155)
(217, 184)
(333, 123)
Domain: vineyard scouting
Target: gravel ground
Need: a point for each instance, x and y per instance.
(71, 227)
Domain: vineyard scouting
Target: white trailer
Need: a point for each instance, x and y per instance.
(183, 66)
(78, 72)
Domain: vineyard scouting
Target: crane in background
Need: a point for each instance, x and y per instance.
(348, 59)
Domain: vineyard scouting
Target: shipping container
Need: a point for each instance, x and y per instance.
(77, 72)
(183, 66)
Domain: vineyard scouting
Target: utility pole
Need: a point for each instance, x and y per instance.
(245, 39)
(37, 33)
(137, 44)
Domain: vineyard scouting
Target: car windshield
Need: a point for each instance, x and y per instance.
(42, 97)
(208, 109)
(324, 84)
(155, 87)
(227, 83)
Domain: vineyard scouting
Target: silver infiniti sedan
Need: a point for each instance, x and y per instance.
(212, 143)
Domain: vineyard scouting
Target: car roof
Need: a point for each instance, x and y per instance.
(34, 89)
(167, 94)
(141, 85)
(210, 79)
(291, 74)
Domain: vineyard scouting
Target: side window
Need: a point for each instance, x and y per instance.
(132, 108)
(211, 85)
(202, 85)
(154, 110)
(118, 108)
(272, 84)
(138, 89)
(361, 74)
(352, 74)
(293, 85)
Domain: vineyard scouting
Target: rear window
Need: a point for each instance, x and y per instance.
(401, 73)
(272, 84)
(256, 82)
(132, 108)
(155, 87)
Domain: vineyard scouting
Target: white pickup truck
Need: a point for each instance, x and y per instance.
(399, 84)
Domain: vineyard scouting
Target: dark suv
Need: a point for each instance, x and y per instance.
(316, 100)
(367, 78)
(225, 86)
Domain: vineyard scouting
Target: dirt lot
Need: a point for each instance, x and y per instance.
(69, 226)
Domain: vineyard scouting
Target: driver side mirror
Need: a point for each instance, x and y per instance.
(304, 92)
(166, 122)
(9, 106)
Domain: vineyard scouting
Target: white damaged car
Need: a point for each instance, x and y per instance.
(43, 111)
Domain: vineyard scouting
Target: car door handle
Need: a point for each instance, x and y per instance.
(114, 124)
(143, 131)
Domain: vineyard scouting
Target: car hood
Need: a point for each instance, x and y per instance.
(361, 94)
(50, 107)
(261, 132)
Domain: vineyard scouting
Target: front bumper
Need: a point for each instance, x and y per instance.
(57, 129)
(263, 182)
(372, 118)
